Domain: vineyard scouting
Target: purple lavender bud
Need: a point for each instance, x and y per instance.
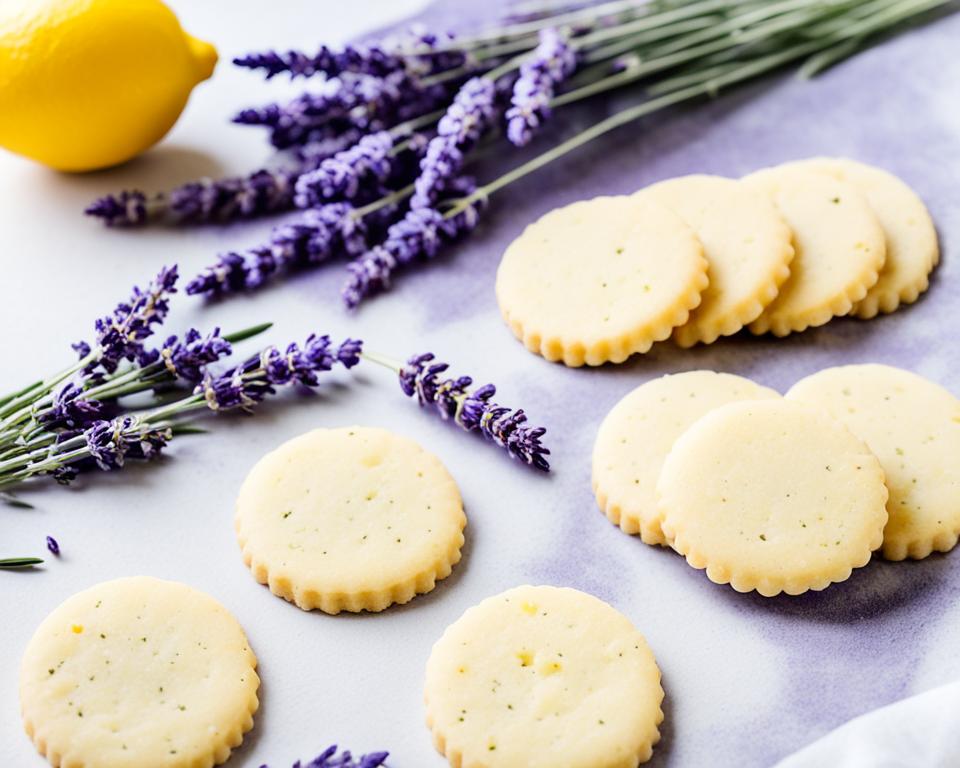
(126, 209)
(81, 348)
(553, 61)
(362, 168)
(120, 336)
(348, 353)
(316, 236)
(54, 546)
(70, 409)
(458, 131)
(109, 443)
(473, 411)
(187, 359)
(65, 475)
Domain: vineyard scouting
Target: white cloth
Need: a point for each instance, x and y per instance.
(920, 732)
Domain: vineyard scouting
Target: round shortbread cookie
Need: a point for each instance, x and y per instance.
(600, 280)
(913, 427)
(912, 248)
(772, 496)
(839, 248)
(747, 246)
(350, 519)
(138, 672)
(543, 677)
(638, 433)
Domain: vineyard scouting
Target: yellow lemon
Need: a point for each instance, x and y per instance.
(87, 84)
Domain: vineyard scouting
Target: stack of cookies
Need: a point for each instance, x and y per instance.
(784, 494)
(700, 257)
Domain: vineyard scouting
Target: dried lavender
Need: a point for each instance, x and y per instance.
(329, 758)
(351, 100)
(364, 168)
(257, 377)
(367, 60)
(317, 235)
(472, 410)
(553, 61)
(419, 235)
(54, 546)
(465, 121)
(120, 336)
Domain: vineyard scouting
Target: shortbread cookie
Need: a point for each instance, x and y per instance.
(772, 496)
(747, 245)
(913, 427)
(840, 248)
(351, 519)
(638, 433)
(138, 672)
(601, 279)
(543, 677)
(912, 248)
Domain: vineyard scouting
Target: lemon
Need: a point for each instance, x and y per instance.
(86, 84)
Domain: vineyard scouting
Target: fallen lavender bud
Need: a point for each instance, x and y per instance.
(316, 236)
(473, 410)
(330, 759)
(53, 545)
(553, 61)
(464, 123)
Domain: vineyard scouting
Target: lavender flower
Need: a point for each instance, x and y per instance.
(316, 236)
(187, 359)
(362, 168)
(351, 100)
(367, 60)
(253, 380)
(109, 443)
(330, 759)
(458, 132)
(126, 209)
(473, 411)
(553, 61)
(54, 546)
(70, 409)
(417, 236)
(120, 335)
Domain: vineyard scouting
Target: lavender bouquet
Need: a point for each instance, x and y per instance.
(380, 155)
(82, 418)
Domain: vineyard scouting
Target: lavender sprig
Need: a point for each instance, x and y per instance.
(553, 61)
(418, 236)
(363, 168)
(473, 410)
(458, 131)
(329, 758)
(120, 335)
(315, 236)
(367, 60)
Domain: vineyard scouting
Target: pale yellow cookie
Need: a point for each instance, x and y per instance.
(638, 433)
(600, 280)
(747, 245)
(772, 496)
(839, 248)
(543, 677)
(351, 519)
(913, 427)
(138, 672)
(912, 248)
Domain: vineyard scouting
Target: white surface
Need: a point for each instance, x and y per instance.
(746, 680)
